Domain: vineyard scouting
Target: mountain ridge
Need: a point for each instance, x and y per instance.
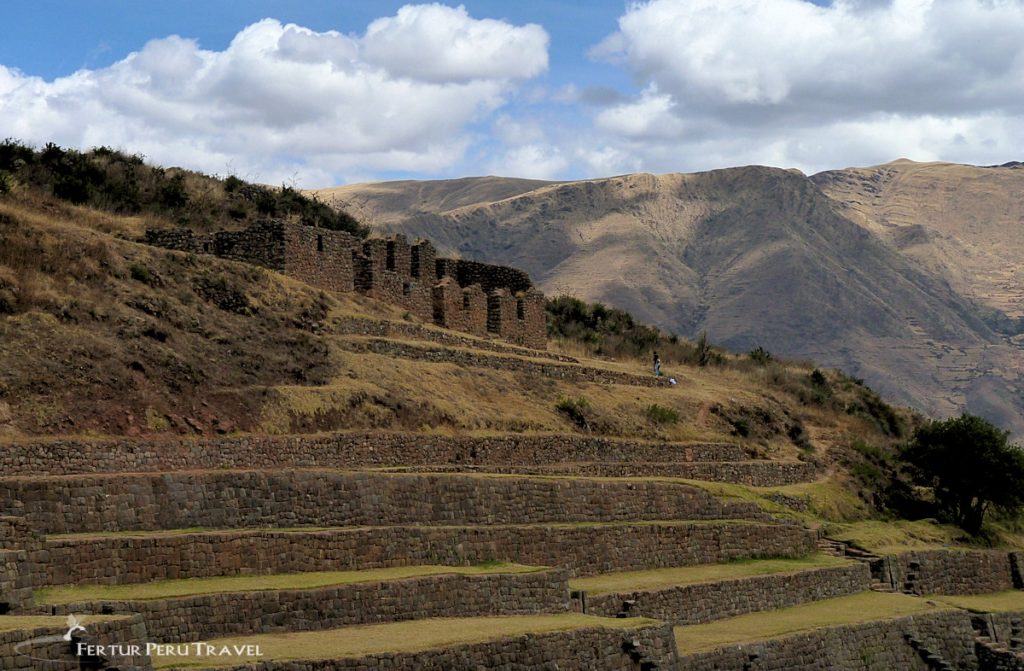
(809, 266)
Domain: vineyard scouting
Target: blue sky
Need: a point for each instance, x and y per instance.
(552, 89)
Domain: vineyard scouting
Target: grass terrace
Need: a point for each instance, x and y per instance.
(993, 602)
(167, 589)
(397, 637)
(846, 610)
(631, 581)
(55, 622)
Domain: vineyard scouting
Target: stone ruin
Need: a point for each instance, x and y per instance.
(478, 298)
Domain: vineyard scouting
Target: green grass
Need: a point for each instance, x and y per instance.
(854, 609)
(167, 589)
(893, 536)
(55, 622)
(994, 602)
(411, 636)
(636, 581)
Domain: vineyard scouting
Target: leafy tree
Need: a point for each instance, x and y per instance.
(971, 467)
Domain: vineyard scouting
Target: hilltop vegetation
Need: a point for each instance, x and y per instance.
(120, 183)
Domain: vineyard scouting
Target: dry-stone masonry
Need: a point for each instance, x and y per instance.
(705, 602)
(261, 499)
(37, 656)
(955, 572)
(201, 617)
(338, 450)
(886, 645)
(582, 549)
(478, 298)
(591, 649)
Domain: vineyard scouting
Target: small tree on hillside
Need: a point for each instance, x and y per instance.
(971, 467)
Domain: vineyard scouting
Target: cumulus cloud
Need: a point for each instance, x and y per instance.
(792, 83)
(284, 100)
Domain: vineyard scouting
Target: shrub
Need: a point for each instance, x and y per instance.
(970, 466)
(576, 410)
(661, 415)
(6, 182)
(760, 356)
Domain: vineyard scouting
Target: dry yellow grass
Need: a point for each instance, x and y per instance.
(638, 581)
(854, 609)
(165, 589)
(410, 636)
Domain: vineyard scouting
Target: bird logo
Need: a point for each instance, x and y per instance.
(73, 625)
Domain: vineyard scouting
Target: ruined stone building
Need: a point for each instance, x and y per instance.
(477, 298)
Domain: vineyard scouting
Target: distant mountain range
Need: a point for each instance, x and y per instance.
(910, 275)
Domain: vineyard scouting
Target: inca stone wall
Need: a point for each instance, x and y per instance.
(201, 617)
(705, 602)
(874, 646)
(123, 630)
(995, 657)
(581, 549)
(15, 586)
(389, 270)
(592, 649)
(953, 572)
(338, 450)
(259, 499)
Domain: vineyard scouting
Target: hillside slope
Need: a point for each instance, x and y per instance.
(754, 256)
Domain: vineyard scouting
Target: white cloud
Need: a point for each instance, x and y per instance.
(283, 101)
(790, 83)
(532, 161)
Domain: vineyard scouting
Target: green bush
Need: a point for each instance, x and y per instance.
(576, 410)
(760, 356)
(659, 414)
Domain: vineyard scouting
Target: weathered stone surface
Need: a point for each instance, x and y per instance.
(591, 649)
(705, 602)
(955, 572)
(34, 657)
(338, 450)
(582, 550)
(261, 499)
(200, 617)
(874, 646)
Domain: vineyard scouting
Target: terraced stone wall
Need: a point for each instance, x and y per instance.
(1001, 627)
(389, 270)
(262, 499)
(592, 649)
(201, 617)
(946, 572)
(15, 586)
(321, 257)
(874, 645)
(698, 603)
(582, 550)
(340, 450)
(123, 631)
(992, 657)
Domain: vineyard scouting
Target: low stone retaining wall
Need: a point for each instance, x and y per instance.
(259, 499)
(475, 360)
(1000, 627)
(60, 655)
(993, 657)
(752, 473)
(339, 450)
(882, 644)
(201, 617)
(955, 572)
(583, 550)
(591, 649)
(705, 602)
(384, 329)
(15, 586)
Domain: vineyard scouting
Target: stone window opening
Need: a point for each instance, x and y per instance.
(319, 243)
(206, 247)
(520, 310)
(465, 301)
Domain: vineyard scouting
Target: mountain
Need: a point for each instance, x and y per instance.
(890, 288)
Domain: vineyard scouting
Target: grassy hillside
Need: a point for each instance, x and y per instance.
(753, 256)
